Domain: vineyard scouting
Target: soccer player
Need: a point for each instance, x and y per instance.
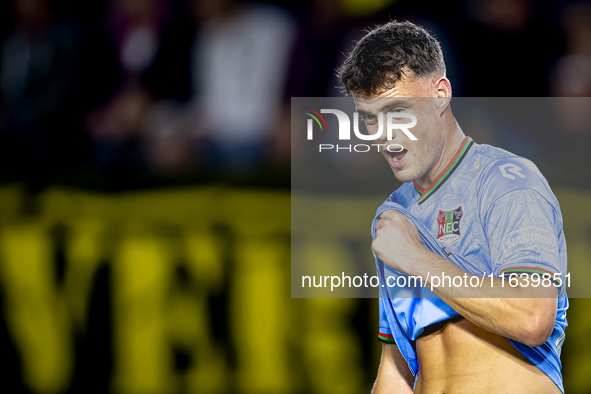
(484, 206)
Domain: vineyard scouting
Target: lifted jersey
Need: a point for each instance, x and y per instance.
(489, 212)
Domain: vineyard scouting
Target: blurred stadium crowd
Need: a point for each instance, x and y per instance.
(120, 94)
(184, 287)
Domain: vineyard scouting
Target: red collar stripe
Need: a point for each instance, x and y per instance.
(446, 173)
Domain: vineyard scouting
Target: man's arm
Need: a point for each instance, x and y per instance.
(525, 313)
(393, 374)
(522, 313)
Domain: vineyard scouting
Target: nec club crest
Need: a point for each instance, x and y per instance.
(448, 225)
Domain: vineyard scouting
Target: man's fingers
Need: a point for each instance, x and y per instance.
(392, 214)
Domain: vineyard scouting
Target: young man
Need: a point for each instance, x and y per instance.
(491, 212)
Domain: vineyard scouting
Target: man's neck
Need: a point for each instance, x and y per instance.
(454, 136)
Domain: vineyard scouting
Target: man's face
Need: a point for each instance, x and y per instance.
(417, 97)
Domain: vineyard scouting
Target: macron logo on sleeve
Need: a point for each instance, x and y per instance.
(511, 168)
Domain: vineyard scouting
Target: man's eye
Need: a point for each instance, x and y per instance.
(398, 110)
(370, 119)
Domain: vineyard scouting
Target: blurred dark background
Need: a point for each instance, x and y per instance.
(145, 180)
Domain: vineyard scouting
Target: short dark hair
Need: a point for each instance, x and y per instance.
(386, 54)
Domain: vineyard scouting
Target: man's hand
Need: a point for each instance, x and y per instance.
(397, 242)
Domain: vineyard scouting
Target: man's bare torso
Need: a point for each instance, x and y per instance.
(463, 358)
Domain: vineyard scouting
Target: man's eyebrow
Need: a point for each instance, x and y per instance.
(364, 113)
(388, 105)
(394, 103)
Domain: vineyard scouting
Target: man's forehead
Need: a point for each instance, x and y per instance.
(404, 88)
(395, 92)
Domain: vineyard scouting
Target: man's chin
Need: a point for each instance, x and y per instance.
(404, 175)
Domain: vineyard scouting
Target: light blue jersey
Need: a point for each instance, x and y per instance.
(489, 212)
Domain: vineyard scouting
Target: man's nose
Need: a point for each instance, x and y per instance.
(383, 136)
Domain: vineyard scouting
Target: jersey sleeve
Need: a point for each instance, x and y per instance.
(384, 332)
(522, 221)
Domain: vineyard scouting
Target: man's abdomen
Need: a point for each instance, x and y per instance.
(463, 358)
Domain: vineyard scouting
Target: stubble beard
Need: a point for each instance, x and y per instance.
(406, 175)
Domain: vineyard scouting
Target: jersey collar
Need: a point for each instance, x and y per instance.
(446, 173)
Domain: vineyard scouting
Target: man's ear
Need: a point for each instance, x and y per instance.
(442, 86)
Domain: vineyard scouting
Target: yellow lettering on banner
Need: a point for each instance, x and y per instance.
(190, 317)
(330, 346)
(260, 308)
(323, 257)
(141, 281)
(84, 250)
(204, 254)
(35, 311)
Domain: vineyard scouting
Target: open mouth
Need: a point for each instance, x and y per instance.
(396, 159)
